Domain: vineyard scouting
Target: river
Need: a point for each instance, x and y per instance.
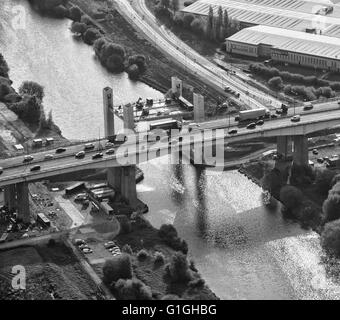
(242, 250)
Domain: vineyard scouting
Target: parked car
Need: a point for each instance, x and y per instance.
(89, 146)
(259, 122)
(28, 158)
(109, 144)
(109, 244)
(273, 116)
(98, 155)
(232, 131)
(81, 197)
(251, 125)
(295, 118)
(87, 250)
(320, 160)
(35, 168)
(315, 151)
(60, 150)
(110, 151)
(80, 155)
(49, 157)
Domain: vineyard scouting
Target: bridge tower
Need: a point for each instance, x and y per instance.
(199, 113)
(300, 149)
(124, 178)
(109, 123)
(16, 198)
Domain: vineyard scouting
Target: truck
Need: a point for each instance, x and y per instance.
(254, 114)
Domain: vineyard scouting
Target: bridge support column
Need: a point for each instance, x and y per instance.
(123, 179)
(199, 113)
(109, 123)
(284, 147)
(23, 202)
(300, 153)
(10, 196)
(176, 86)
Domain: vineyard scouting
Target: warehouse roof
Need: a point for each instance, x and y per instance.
(287, 14)
(289, 40)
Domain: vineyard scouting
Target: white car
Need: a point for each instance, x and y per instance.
(87, 250)
(49, 157)
(295, 118)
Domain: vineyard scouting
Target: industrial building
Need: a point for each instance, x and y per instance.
(298, 15)
(287, 46)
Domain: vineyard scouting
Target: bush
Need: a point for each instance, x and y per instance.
(4, 69)
(167, 231)
(133, 289)
(188, 18)
(119, 267)
(28, 109)
(178, 268)
(309, 215)
(59, 12)
(139, 60)
(127, 249)
(301, 175)
(178, 19)
(159, 258)
(142, 255)
(330, 238)
(291, 197)
(197, 26)
(197, 283)
(168, 234)
(323, 180)
(272, 182)
(91, 35)
(4, 91)
(331, 206)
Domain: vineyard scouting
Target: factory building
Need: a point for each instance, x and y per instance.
(299, 15)
(287, 46)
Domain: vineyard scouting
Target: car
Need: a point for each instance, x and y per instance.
(60, 150)
(259, 122)
(113, 248)
(116, 253)
(110, 151)
(251, 125)
(320, 160)
(83, 246)
(109, 244)
(87, 250)
(295, 118)
(1, 170)
(80, 155)
(227, 89)
(98, 155)
(278, 111)
(28, 158)
(49, 157)
(315, 151)
(81, 197)
(232, 131)
(35, 168)
(89, 146)
(325, 158)
(273, 116)
(307, 106)
(109, 145)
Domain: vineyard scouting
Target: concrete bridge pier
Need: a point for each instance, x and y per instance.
(109, 123)
(300, 152)
(10, 196)
(123, 179)
(284, 147)
(23, 202)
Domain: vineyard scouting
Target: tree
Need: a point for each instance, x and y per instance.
(210, 24)
(91, 35)
(132, 289)
(75, 13)
(98, 45)
(175, 5)
(5, 89)
(197, 26)
(330, 238)
(291, 197)
(165, 3)
(225, 23)
(188, 18)
(323, 180)
(115, 63)
(133, 72)
(139, 60)
(32, 88)
(331, 206)
(178, 268)
(4, 69)
(218, 24)
(273, 182)
(78, 27)
(119, 267)
(275, 83)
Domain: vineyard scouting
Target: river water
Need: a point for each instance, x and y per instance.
(242, 250)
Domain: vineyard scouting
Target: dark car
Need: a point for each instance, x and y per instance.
(260, 123)
(1, 170)
(35, 168)
(273, 116)
(315, 151)
(251, 125)
(60, 150)
(80, 155)
(98, 155)
(28, 158)
(232, 131)
(320, 160)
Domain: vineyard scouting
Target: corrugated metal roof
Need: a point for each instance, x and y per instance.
(294, 41)
(286, 14)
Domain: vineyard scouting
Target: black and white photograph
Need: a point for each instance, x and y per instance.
(177, 152)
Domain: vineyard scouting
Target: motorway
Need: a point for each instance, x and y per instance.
(143, 20)
(15, 170)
